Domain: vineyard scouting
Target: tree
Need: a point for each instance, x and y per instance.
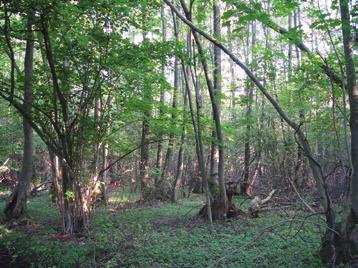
(220, 203)
(351, 218)
(314, 165)
(17, 201)
(249, 94)
(78, 69)
(214, 156)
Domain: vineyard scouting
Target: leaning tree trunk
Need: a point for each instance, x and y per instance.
(196, 121)
(314, 165)
(17, 201)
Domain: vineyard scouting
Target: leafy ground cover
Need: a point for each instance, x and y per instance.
(126, 234)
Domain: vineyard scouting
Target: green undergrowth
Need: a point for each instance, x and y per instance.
(164, 235)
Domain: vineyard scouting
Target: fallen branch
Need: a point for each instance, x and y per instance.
(256, 204)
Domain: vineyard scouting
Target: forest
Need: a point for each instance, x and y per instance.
(178, 133)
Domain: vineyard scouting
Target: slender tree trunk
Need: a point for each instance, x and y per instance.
(233, 162)
(169, 154)
(144, 150)
(289, 54)
(104, 182)
(249, 91)
(314, 165)
(220, 205)
(17, 201)
(94, 188)
(199, 143)
(144, 157)
(232, 81)
(159, 160)
(299, 161)
(351, 211)
(105, 154)
(180, 164)
(196, 121)
(56, 180)
(214, 156)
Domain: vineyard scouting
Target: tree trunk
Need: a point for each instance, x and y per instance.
(56, 180)
(144, 150)
(350, 218)
(196, 119)
(17, 201)
(249, 93)
(94, 188)
(353, 101)
(169, 154)
(314, 165)
(299, 162)
(76, 212)
(144, 158)
(214, 156)
(220, 203)
(159, 160)
(180, 164)
(104, 181)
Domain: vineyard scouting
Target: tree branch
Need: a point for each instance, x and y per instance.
(126, 154)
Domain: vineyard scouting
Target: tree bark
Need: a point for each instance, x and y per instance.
(159, 160)
(17, 201)
(180, 163)
(169, 154)
(249, 93)
(144, 157)
(220, 204)
(76, 212)
(353, 101)
(196, 121)
(56, 180)
(315, 167)
(351, 211)
(144, 149)
(214, 156)
(180, 166)
(104, 182)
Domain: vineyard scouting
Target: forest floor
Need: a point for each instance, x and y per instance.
(126, 234)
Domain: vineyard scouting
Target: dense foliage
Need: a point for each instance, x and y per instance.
(219, 97)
